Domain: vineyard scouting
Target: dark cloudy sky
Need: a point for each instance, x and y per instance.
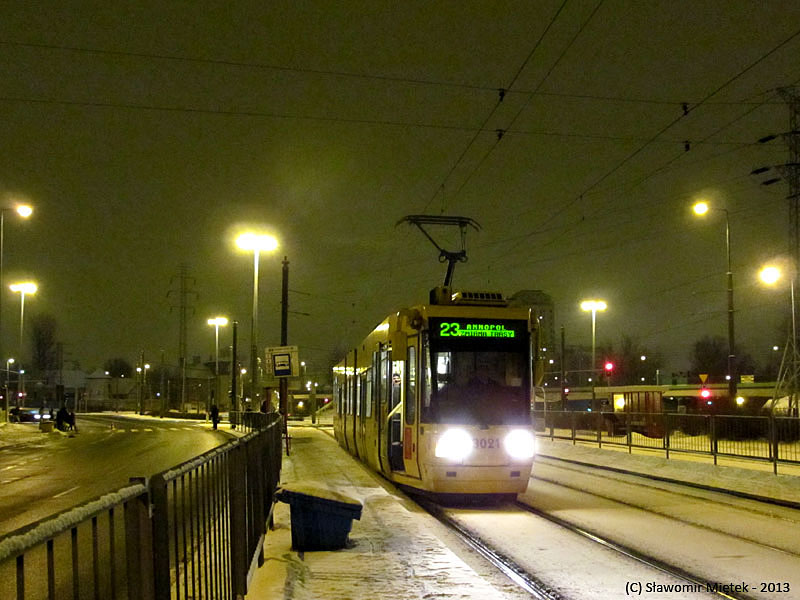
(145, 133)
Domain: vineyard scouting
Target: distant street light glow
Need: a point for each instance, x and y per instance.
(700, 208)
(770, 275)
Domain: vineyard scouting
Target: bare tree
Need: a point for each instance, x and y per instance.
(43, 333)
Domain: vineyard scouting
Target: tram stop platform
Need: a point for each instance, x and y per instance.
(395, 550)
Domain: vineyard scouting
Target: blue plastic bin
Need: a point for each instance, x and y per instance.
(321, 518)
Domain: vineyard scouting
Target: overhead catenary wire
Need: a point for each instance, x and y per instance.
(441, 187)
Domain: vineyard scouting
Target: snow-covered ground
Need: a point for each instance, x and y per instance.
(746, 476)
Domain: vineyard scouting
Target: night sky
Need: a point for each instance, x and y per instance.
(146, 134)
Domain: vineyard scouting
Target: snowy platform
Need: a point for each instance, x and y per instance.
(394, 550)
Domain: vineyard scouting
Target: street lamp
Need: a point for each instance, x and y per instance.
(701, 209)
(770, 275)
(593, 306)
(24, 211)
(255, 243)
(23, 288)
(217, 322)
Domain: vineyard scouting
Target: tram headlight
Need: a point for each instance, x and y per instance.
(455, 444)
(520, 443)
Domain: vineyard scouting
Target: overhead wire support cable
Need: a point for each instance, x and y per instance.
(501, 95)
(501, 132)
(685, 111)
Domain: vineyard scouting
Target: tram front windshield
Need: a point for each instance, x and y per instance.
(478, 387)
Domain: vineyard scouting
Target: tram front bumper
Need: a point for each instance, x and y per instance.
(463, 479)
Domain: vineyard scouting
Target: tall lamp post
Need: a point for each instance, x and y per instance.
(23, 289)
(593, 306)
(255, 243)
(701, 208)
(217, 322)
(24, 211)
(770, 275)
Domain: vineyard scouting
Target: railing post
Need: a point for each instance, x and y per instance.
(255, 462)
(572, 425)
(139, 545)
(712, 434)
(598, 424)
(773, 442)
(666, 434)
(161, 572)
(628, 433)
(237, 476)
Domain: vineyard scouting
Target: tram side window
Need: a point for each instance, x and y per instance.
(426, 380)
(397, 382)
(349, 392)
(358, 394)
(385, 378)
(337, 394)
(411, 385)
(366, 386)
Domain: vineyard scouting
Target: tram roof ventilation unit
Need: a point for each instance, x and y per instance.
(443, 295)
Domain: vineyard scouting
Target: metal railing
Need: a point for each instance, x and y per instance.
(765, 438)
(193, 531)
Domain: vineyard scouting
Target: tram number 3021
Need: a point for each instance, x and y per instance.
(483, 443)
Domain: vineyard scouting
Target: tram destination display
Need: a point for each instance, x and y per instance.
(458, 328)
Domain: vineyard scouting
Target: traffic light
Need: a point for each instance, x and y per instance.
(609, 366)
(705, 394)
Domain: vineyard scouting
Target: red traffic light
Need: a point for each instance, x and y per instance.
(609, 366)
(705, 393)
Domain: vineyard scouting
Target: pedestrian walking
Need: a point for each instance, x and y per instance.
(214, 411)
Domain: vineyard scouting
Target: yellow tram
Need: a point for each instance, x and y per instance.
(437, 397)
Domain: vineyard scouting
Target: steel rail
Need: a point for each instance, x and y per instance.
(648, 561)
(527, 581)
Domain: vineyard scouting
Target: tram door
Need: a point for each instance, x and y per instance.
(395, 427)
(410, 427)
(383, 380)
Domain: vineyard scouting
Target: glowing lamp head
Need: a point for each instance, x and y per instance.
(219, 321)
(739, 400)
(256, 242)
(770, 275)
(700, 208)
(27, 287)
(24, 210)
(593, 305)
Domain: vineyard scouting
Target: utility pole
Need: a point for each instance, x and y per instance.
(183, 308)
(234, 367)
(284, 382)
(791, 172)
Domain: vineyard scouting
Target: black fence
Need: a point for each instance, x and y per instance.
(765, 438)
(193, 531)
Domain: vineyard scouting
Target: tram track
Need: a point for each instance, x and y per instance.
(535, 585)
(648, 561)
(525, 580)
